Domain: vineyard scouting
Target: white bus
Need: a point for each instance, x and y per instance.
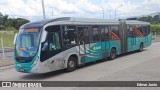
(65, 43)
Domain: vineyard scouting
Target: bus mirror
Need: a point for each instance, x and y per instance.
(15, 38)
(44, 34)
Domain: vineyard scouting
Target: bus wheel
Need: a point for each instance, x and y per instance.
(141, 47)
(72, 64)
(113, 54)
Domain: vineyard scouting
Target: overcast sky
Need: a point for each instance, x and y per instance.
(32, 9)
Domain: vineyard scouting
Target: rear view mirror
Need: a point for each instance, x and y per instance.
(15, 38)
(44, 34)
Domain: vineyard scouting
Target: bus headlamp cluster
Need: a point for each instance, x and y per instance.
(35, 62)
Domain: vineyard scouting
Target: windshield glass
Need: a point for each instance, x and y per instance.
(27, 42)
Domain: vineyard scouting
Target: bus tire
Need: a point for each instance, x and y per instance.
(141, 47)
(72, 64)
(112, 54)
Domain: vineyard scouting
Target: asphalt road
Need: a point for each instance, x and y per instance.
(136, 66)
(7, 51)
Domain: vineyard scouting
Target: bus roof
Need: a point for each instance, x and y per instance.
(43, 22)
(136, 22)
(74, 20)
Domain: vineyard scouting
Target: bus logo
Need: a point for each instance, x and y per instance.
(6, 84)
(97, 48)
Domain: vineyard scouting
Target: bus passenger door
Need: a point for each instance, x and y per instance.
(104, 38)
(131, 38)
(134, 40)
(83, 41)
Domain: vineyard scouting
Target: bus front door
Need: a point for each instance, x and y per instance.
(84, 46)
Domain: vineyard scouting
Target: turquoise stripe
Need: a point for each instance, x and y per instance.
(26, 66)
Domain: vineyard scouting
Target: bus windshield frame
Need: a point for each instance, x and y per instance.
(27, 44)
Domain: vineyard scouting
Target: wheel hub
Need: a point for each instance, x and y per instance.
(71, 64)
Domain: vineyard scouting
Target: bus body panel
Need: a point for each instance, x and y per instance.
(117, 45)
(88, 52)
(134, 43)
(147, 40)
(25, 67)
(93, 52)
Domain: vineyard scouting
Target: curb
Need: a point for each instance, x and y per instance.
(5, 51)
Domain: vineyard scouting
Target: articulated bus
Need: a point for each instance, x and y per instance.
(68, 42)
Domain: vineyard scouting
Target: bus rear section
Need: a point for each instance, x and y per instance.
(139, 36)
(134, 35)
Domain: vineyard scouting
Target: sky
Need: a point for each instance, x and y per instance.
(32, 9)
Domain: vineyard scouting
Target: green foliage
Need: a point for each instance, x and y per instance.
(9, 28)
(3, 20)
(153, 20)
(2, 27)
(156, 19)
(155, 28)
(11, 24)
(17, 23)
(155, 23)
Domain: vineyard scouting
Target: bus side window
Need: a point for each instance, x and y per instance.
(54, 41)
(149, 30)
(45, 44)
(83, 35)
(130, 32)
(69, 35)
(114, 34)
(146, 30)
(142, 30)
(134, 31)
(95, 33)
(104, 34)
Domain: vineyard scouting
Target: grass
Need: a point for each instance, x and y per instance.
(155, 23)
(11, 29)
(7, 39)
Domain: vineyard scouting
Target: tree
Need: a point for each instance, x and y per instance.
(155, 28)
(156, 19)
(149, 19)
(21, 21)
(6, 22)
(143, 19)
(3, 20)
(17, 23)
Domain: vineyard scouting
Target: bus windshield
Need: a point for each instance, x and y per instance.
(27, 42)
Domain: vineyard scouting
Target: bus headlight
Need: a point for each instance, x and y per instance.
(35, 62)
